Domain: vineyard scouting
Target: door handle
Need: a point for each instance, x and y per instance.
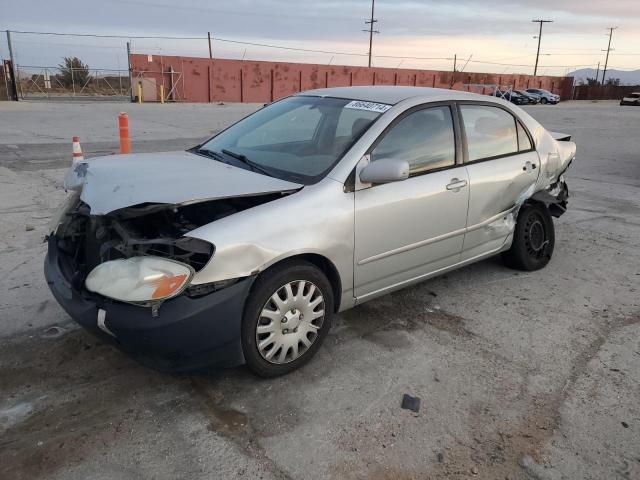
(456, 184)
(529, 166)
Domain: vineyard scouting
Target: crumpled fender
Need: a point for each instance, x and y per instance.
(246, 243)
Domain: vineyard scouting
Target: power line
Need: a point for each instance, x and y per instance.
(164, 37)
(282, 47)
(97, 35)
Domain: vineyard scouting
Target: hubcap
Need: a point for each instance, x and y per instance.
(536, 234)
(289, 322)
(536, 238)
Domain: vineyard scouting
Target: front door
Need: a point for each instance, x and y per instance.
(408, 229)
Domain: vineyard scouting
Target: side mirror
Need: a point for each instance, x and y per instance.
(385, 171)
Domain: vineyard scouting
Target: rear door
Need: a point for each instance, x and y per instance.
(503, 167)
(407, 229)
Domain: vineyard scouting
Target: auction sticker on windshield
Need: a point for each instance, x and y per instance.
(370, 106)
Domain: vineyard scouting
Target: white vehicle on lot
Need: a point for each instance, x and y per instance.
(242, 249)
(545, 95)
(631, 99)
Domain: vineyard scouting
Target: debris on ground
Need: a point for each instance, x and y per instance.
(53, 332)
(410, 403)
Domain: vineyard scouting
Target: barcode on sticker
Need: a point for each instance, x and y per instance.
(370, 106)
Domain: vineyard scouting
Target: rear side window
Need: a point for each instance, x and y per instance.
(524, 143)
(490, 131)
(423, 138)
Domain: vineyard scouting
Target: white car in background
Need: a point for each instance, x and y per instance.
(631, 99)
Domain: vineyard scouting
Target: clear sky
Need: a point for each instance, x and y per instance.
(498, 31)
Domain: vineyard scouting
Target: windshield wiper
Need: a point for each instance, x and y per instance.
(210, 153)
(243, 158)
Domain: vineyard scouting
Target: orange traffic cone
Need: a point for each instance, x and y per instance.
(77, 150)
(125, 140)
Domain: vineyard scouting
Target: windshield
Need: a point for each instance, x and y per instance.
(297, 139)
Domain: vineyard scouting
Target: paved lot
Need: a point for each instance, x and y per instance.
(521, 375)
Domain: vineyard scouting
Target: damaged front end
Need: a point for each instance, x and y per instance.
(125, 273)
(143, 302)
(148, 230)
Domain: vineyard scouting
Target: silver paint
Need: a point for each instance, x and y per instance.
(378, 237)
(119, 181)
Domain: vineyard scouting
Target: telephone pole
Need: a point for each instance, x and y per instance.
(535, 69)
(453, 75)
(13, 69)
(371, 30)
(604, 72)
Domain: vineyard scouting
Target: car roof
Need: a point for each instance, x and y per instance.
(393, 94)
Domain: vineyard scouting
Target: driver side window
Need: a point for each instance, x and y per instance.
(424, 138)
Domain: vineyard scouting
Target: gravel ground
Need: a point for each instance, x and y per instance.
(520, 375)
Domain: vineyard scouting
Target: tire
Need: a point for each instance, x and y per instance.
(285, 324)
(543, 101)
(533, 239)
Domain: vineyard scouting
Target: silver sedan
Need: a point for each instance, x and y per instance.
(242, 249)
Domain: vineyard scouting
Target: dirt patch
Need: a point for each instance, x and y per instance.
(82, 400)
(511, 450)
(234, 425)
(380, 321)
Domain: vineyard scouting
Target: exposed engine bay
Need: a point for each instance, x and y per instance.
(142, 230)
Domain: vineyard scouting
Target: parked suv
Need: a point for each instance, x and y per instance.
(545, 95)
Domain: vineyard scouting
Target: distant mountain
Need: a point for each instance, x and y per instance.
(626, 77)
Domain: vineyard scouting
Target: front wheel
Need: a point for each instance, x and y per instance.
(543, 101)
(287, 316)
(533, 239)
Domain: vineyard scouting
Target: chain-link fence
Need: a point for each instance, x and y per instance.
(35, 82)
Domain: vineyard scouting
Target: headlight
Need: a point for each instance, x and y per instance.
(139, 279)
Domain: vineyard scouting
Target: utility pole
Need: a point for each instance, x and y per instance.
(210, 51)
(535, 69)
(453, 76)
(131, 94)
(604, 72)
(14, 83)
(371, 30)
(597, 73)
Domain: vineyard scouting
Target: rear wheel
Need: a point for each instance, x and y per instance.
(533, 239)
(286, 319)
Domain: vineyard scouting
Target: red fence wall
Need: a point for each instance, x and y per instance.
(212, 80)
(603, 92)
